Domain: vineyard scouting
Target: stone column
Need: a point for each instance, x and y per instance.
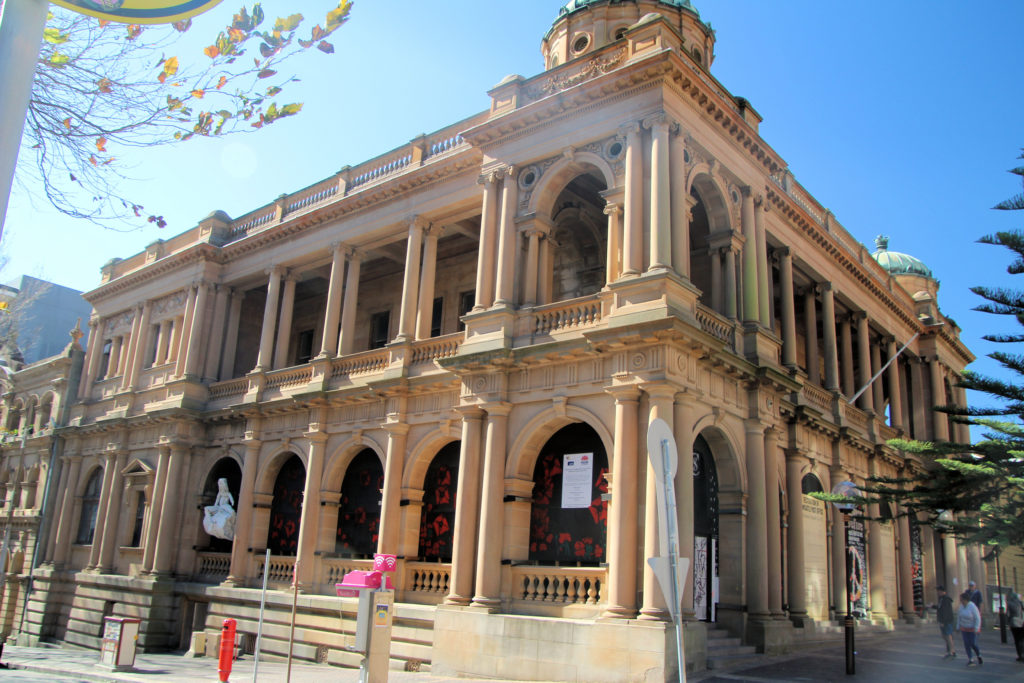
(683, 429)
(172, 351)
(216, 345)
(411, 282)
(309, 521)
(155, 506)
(811, 325)
(939, 420)
(347, 336)
(866, 400)
(115, 356)
(92, 362)
(239, 570)
(774, 521)
(62, 547)
(391, 497)
(181, 339)
(757, 523)
(876, 567)
(142, 348)
(227, 366)
(112, 515)
(846, 356)
(167, 537)
(196, 345)
(828, 314)
(680, 205)
(895, 391)
(655, 602)
(717, 289)
(952, 569)
(795, 537)
(764, 289)
(906, 583)
(731, 304)
(622, 513)
(751, 313)
(130, 349)
(101, 520)
(507, 241)
(488, 558)
(51, 541)
(269, 329)
(614, 258)
(532, 257)
(788, 307)
(284, 324)
(466, 509)
(329, 341)
(661, 209)
(838, 550)
(162, 342)
(488, 228)
(633, 240)
(878, 396)
(428, 273)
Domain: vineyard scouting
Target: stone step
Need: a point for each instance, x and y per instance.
(722, 662)
(731, 650)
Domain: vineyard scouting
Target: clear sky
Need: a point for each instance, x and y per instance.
(902, 117)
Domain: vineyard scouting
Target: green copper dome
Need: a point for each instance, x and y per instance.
(574, 5)
(897, 263)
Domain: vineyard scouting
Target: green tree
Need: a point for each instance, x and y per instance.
(979, 485)
(102, 87)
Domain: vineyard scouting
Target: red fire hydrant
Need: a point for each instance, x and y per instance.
(227, 649)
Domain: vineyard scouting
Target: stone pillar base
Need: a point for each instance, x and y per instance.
(769, 636)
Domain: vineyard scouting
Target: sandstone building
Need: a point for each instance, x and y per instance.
(399, 357)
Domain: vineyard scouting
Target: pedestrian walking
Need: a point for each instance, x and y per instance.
(969, 622)
(1015, 613)
(976, 598)
(947, 621)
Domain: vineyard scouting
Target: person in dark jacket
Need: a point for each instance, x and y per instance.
(1015, 615)
(947, 621)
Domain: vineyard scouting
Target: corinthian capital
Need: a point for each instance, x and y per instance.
(658, 119)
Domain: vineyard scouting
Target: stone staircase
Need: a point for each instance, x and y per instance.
(725, 650)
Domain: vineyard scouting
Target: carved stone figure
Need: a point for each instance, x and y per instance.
(219, 520)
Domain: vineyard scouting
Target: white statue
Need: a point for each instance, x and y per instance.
(219, 520)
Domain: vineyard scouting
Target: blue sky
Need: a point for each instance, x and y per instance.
(901, 117)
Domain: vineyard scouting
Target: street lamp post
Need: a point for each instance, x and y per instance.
(848, 489)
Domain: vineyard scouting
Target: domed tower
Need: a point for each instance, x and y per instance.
(912, 274)
(583, 26)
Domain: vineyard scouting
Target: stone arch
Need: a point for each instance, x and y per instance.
(89, 493)
(421, 456)
(536, 432)
(339, 460)
(286, 505)
(810, 483)
(436, 519)
(269, 469)
(359, 509)
(709, 221)
(732, 475)
(14, 415)
(554, 180)
(227, 467)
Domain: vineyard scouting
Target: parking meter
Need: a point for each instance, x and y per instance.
(373, 616)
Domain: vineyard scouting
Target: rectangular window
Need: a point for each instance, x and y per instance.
(435, 317)
(140, 515)
(466, 301)
(304, 350)
(379, 328)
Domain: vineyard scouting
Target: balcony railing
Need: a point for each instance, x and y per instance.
(717, 325)
(566, 315)
(279, 570)
(212, 567)
(819, 398)
(428, 350)
(559, 585)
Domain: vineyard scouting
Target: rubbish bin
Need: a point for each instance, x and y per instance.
(119, 637)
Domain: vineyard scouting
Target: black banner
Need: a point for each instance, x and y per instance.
(857, 566)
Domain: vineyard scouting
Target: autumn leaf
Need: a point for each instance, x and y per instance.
(266, 73)
(92, 160)
(220, 83)
(104, 85)
(58, 59)
(171, 66)
(173, 103)
(161, 77)
(104, 23)
(289, 24)
(273, 90)
(235, 35)
(159, 220)
(67, 123)
(134, 31)
(137, 209)
(54, 37)
(182, 26)
(211, 51)
(198, 94)
(101, 144)
(338, 16)
(325, 47)
(107, 162)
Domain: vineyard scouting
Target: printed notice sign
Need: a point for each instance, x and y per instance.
(577, 478)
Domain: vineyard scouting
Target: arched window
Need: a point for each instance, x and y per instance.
(810, 484)
(569, 526)
(437, 518)
(359, 512)
(225, 468)
(705, 530)
(90, 508)
(286, 508)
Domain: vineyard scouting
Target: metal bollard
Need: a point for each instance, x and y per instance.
(227, 650)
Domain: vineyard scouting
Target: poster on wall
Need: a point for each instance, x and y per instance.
(857, 558)
(577, 480)
(815, 558)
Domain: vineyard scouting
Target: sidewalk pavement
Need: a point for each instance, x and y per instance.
(906, 656)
